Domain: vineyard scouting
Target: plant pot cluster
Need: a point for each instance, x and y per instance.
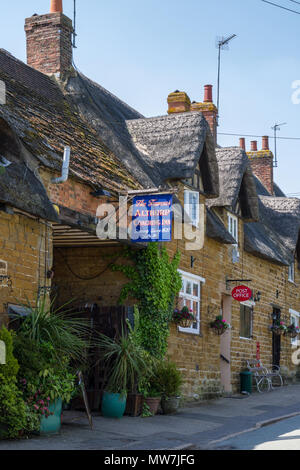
(132, 368)
(37, 378)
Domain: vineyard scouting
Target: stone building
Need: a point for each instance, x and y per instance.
(247, 229)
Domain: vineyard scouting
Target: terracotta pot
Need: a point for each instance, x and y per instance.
(153, 403)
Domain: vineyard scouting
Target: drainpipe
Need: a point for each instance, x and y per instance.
(65, 168)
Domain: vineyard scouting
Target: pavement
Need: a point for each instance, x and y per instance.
(283, 435)
(220, 423)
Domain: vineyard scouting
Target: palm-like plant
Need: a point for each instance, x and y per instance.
(68, 335)
(126, 361)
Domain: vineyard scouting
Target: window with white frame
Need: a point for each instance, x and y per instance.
(292, 272)
(233, 227)
(295, 320)
(191, 206)
(190, 296)
(246, 319)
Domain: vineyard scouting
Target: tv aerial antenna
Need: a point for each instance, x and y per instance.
(74, 27)
(276, 128)
(222, 43)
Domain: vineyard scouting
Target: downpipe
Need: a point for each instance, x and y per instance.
(65, 168)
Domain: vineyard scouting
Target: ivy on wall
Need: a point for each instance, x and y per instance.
(154, 283)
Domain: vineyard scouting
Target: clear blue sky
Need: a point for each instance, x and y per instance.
(142, 50)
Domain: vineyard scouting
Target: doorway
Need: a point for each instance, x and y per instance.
(276, 339)
(225, 346)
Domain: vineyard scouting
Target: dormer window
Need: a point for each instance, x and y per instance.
(233, 227)
(191, 206)
(292, 272)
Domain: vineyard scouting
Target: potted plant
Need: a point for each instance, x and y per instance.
(149, 387)
(47, 394)
(184, 317)
(292, 331)
(278, 327)
(169, 381)
(125, 360)
(219, 325)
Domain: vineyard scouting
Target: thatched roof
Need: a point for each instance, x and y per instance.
(45, 120)
(21, 189)
(236, 181)
(276, 235)
(215, 229)
(155, 149)
(173, 146)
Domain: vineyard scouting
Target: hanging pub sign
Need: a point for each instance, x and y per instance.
(152, 218)
(241, 293)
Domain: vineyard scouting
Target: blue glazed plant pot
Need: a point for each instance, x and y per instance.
(52, 424)
(113, 405)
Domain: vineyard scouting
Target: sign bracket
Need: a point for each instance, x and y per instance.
(228, 281)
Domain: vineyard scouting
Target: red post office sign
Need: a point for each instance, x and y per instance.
(241, 293)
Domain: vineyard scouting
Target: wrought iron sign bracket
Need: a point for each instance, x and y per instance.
(228, 281)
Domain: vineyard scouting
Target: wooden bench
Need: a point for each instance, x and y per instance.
(265, 379)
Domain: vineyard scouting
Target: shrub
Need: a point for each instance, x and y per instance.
(13, 412)
(167, 378)
(11, 368)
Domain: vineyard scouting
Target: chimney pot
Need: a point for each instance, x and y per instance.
(243, 143)
(56, 6)
(265, 143)
(254, 146)
(179, 102)
(208, 98)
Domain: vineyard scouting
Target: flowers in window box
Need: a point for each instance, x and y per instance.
(184, 317)
(219, 325)
(292, 331)
(279, 328)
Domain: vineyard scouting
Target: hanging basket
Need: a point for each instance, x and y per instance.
(292, 334)
(218, 331)
(186, 323)
(278, 331)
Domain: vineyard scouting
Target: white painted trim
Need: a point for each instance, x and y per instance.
(192, 276)
(248, 303)
(294, 312)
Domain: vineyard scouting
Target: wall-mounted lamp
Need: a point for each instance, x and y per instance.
(257, 296)
(193, 261)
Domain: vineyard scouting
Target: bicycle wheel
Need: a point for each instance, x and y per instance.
(263, 385)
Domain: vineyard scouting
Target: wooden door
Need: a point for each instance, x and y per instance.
(276, 340)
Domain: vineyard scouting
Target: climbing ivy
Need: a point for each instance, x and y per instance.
(154, 283)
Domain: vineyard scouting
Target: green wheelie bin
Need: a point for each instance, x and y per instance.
(246, 381)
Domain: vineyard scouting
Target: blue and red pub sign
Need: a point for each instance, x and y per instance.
(152, 218)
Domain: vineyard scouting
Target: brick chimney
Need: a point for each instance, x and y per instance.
(49, 41)
(262, 163)
(178, 102)
(208, 109)
(243, 143)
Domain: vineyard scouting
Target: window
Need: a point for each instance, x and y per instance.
(295, 320)
(246, 320)
(191, 206)
(233, 227)
(190, 296)
(292, 272)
